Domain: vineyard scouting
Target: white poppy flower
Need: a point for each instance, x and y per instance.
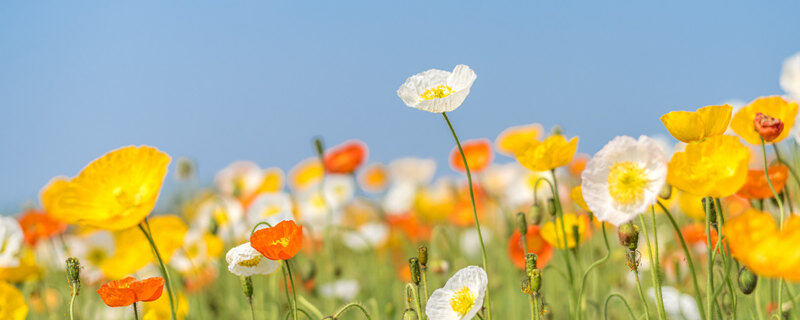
(790, 76)
(415, 171)
(339, 189)
(366, 236)
(471, 243)
(437, 90)
(399, 198)
(344, 289)
(460, 298)
(677, 305)
(239, 179)
(271, 208)
(11, 237)
(92, 250)
(245, 261)
(624, 178)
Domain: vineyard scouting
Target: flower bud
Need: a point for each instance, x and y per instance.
(422, 256)
(551, 207)
(522, 223)
(747, 281)
(768, 128)
(666, 192)
(319, 146)
(556, 130)
(185, 169)
(628, 236)
(247, 287)
(711, 215)
(535, 213)
(530, 263)
(413, 264)
(410, 314)
(74, 274)
(536, 280)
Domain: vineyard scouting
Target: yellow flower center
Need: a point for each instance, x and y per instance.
(270, 211)
(462, 301)
(220, 217)
(282, 241)
(626, 182)
(252, 262)
(96, 256)
(437, 92)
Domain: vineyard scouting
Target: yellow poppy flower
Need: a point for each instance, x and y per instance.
(553, 152)
(773, 106)
(695, 126)
(26, 270)
(755, 240)
(576, 194)
(715, 167)
(114, 192)
(159, 309)
(551, 230)
(133, 250)
(514, 139)
(12, 303)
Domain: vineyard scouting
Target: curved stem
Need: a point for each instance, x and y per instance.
(163, 267)
(621, 298)
(578, 311)
(311, 308)
(415, 295)
(72, 304)
(349, 306)
(474, 212)
(688, 255)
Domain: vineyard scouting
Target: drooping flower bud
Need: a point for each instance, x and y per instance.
(535, 213)
(247, 287)
(747, 281)
(551, 207)
(413, 264)
(74, 274)
(628, 236)
(522, 223)
(768, 128)
(530, 263)
(422, 256)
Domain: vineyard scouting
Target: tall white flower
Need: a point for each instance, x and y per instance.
(271, 208)
(437, 90)
(245, 261)
(460, 298)
(343, 289)
(93, 250)
(624, 178)
(790, 76)
(416, 171)
(10, 242)
(239, 179)
(369, 235)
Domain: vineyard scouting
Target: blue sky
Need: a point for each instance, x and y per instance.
(222, 81)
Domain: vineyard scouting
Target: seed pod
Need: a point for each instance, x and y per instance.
(530, 262)
(536, 280)
(74, 274)
(422, 255)
(666, 192)
(551, 207)
(522, 223)
(410, 314)
(628, 236)
(413, 264)
(747, 280)
(247, 287)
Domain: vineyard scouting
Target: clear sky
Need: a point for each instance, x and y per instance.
(220, 81)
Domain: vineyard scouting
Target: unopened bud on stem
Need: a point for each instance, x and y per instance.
(628, 236)
(522, 223)
(413, 264)
(768, 128)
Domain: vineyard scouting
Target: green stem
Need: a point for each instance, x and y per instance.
(349, 306)
(164, 272)
(294, 289)
(654, 270)
(710, 281)
(424, 278)
(688, 255)
(135, 312)
(474, 212)
(579, 311)
(641, 295)
(780, 207)
(621, 298)
(252, 309)
(415, 295)
(286, 290)
(534, 307)
(311, 308)
(71, 304)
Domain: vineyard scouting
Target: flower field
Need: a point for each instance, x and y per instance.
(521, 226)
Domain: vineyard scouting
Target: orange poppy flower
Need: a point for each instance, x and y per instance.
(409, 225)
(756, 186)
(577, 165)
(695, 234)
(536, 244)
(280, 242)
(478, 153)
(346, 157)
(38, 225)
(122, 293)
(462, 214)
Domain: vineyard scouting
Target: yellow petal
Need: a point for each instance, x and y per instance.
(715, 167)
(576, 194)
(715, 119)
(685, 126)
(773, 106)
